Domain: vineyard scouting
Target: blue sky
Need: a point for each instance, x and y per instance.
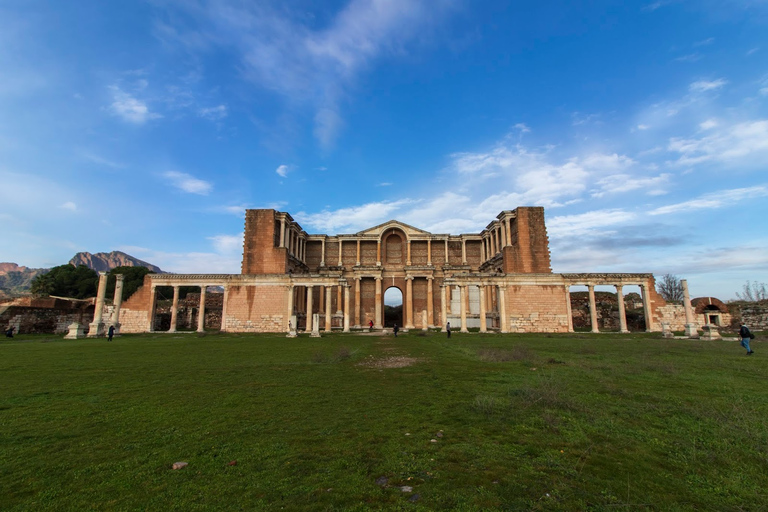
(149, 126)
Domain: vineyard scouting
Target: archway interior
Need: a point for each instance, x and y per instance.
(393, 307)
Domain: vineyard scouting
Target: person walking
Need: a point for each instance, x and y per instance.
(110, 332)
(370, 325)
(448, 329)
(746, 335)
(395, 329)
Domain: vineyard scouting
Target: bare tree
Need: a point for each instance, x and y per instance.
(753, 292)
(670, 287)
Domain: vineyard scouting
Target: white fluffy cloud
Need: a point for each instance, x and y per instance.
(188, 183)
(707, 85)
(130, 109)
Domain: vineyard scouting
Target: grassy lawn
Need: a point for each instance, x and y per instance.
(519, 422)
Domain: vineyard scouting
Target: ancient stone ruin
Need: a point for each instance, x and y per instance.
(497, 280)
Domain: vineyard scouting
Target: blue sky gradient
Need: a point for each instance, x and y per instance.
(150, 126)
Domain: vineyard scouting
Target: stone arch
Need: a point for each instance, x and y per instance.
(394, 249)
(702, 304)
(394, 299)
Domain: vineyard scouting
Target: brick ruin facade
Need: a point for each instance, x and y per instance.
(497, 280)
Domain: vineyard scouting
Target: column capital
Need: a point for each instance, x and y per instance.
(119, 277)
(102, 273)
(409, 278)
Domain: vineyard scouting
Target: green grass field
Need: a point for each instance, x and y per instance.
(519, 422)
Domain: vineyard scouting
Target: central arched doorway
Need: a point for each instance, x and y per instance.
(393, 307)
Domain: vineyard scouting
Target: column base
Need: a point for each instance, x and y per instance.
(691, 332)
(96, 330)
(624, 332)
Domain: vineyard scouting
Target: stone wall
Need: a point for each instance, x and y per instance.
(533, 308)
(47, 315)
(256, 309)
(753, 314)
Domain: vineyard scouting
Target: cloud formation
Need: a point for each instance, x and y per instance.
(188, 183)
(130, 109)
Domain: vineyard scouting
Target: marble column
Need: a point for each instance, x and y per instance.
(593, 308)
(310, 290)
(358, 253)
(340, 244)
(328, 309)
(357, 302)
(622, 311)
(377, 320)
(291, 293)
(174, 309)
(462, 297)
(568, 307)
(378, 253)
(224, 309)
(443, 312)
(690, 327)
(430, 303)
(503, 309)
(429, 252)
(117, 302)
(97, 326)
(646, 308)
(481, 292)
(463, 251)
(322, 253)
(201, 310)
(446, 251)
(338, 298)
(346, 308)
(409, 302)
(408, 257)
(282, 232)
(152, 300)
(503, 234)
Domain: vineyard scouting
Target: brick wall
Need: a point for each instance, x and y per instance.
(257, 309)
(536, 308)
(260, 254)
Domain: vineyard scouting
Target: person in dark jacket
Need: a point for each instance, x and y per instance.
(745, 336)
(395, 329)
(110, 332)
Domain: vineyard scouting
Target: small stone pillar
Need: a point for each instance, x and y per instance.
(117, 301)
(96, 328)
(690, 327)
(315, 326)
(710, 333)
(424, 320)
(666, 331)
(291, 327)
(76, 331)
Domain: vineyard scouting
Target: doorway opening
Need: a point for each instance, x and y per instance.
(393, 307)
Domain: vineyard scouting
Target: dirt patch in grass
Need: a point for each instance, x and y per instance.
(390, 362)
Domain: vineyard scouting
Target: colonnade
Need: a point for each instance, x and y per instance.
(293, 240)
(175, 308)
(620, 299)
(498, 234)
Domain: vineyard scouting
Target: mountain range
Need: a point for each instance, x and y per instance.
(16, 279)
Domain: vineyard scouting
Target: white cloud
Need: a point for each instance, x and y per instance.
(214, 113)
(619, 183)
(727, 145)
(708, 124)
(587, 223)
(352, 219)
(227, 244)
(97, 159)
(282, 171)
(643, 127)
(283, 53)
(129, 108)
(188, 183)
(713, 200)
(69, 205)
(707, 85)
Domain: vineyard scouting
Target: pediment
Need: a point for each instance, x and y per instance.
(392, 224)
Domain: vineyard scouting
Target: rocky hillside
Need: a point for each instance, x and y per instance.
(15, 279)
(106, 261)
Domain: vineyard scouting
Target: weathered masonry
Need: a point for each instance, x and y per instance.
(497, 280)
